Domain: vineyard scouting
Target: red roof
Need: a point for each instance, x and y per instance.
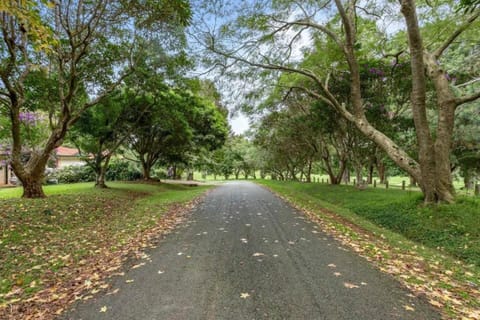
(67, 152)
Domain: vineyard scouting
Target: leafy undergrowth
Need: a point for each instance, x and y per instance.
(370, 223)
(56, 250)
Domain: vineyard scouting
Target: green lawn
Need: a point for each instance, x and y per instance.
(454, 229)
(42, 239)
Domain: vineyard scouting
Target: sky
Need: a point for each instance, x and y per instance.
(239, 123)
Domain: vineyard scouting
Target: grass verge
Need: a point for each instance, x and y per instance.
(386, 227)
(73, 235)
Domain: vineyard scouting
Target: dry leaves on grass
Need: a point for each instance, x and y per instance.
(79, 281)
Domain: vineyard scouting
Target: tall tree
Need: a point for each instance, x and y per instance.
(102, 129)
(272, 34)
(84, 46)
(177, 125)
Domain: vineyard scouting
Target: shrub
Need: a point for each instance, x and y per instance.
(73, 174)
(123, 171)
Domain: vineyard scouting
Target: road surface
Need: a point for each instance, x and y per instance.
(246, 254)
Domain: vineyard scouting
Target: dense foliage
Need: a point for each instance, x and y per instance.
(385, 95)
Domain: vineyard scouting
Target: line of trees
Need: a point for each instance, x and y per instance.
(416, 74)
(106, 75)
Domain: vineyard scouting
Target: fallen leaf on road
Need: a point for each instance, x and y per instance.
(331, 265)
(337, 274)
(113, 292)
(160, 272)
(350, 285)
(129, 281)
(408, 308)
(103, 309)
(244, 295)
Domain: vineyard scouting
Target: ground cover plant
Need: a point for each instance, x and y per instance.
(46, 242)
(453, 229)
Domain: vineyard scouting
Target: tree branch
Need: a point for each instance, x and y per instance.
(311, 24)
(437, 53)
(465, 99)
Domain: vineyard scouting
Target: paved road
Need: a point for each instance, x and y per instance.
(245, 254)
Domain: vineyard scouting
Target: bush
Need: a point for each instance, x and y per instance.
(123, 171)
(117, 170)
(73, 174)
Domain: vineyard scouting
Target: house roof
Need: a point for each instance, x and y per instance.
(67, 152)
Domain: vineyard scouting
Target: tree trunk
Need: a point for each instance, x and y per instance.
(100, 180)
(346, 176)
(32, 174)
(370, 174)
(436, 181)
(32, 187)
(146, 171)
(467, 183)
(413, 182)
(101, 170)
(309, 172)
(358, 175)
(381, 171)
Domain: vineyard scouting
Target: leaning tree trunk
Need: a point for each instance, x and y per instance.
(32, 174)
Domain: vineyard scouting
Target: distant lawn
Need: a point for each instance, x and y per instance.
(43, 239)
(454, 229)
